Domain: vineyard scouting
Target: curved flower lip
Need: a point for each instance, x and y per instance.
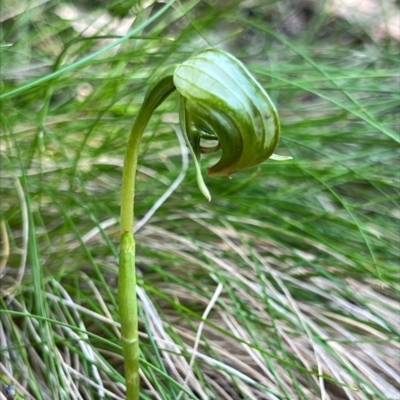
(221, 99)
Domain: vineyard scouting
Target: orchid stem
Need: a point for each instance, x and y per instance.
(127, 299)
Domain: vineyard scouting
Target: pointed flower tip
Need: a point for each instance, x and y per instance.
(277, 157)
(202, 186)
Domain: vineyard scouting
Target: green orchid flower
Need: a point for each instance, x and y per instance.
(220, 101)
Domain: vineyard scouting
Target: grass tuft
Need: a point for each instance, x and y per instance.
(305, 251)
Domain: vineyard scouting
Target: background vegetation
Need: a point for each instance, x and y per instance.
(299, 260)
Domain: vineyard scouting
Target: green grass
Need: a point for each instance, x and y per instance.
(306, 251)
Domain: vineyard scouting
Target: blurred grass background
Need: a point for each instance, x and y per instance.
(305, 252)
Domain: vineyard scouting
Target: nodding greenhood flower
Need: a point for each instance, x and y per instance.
(221, 100)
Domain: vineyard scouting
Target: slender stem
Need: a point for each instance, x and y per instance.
(128, 315)
(127, 300)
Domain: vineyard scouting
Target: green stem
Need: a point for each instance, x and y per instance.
(127, 300)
